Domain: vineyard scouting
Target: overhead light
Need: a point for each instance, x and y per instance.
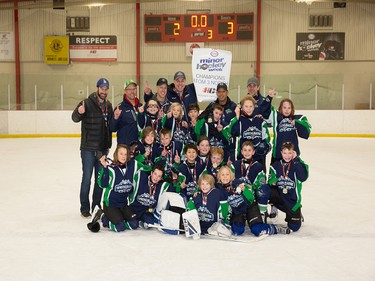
(308, 2)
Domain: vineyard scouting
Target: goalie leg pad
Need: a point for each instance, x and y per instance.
(170, 220)
(191, 224)
(219, 229)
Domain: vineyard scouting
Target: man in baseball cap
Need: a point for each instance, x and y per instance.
(130, 82)
(102, 82)
(179, 74)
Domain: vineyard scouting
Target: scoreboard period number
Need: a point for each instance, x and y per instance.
(199, 28)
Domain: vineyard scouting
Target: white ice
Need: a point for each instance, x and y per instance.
(43, 236)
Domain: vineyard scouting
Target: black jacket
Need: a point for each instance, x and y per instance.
(95, 132)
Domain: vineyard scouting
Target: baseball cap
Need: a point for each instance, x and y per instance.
(179, 74)
(102, 82)
(127, 83)
(222, 85)
(253, 80)
(162, 81)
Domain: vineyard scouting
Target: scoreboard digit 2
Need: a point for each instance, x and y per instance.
(199, 28)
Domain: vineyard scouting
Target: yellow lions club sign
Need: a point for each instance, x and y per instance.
(56, 50)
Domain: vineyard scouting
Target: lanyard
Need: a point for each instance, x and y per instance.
(285, 173)
(243, 166)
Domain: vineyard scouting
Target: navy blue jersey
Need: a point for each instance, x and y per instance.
(140, 153)
(147, 120)
(250, 173)
(238, 200)
(118, 183)
(252, 129)
(146, 194)
(284, 131)
(210, 208)
(179, 132)
(288, 178)
(190, 174)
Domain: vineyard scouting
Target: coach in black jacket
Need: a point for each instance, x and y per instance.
(94, 114)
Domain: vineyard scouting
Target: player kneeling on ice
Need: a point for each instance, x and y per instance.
(211, 206)
(148, 190)
(240, 197)
(116, 179)
(285, 186)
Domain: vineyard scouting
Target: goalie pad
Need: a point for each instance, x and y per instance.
(169, 199)
(219, 229)
(192, 227)
(171, 221)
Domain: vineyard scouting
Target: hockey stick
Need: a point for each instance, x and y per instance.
(158, 226)
(233, 238)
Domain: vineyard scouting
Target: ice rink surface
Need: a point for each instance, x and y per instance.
(43, 236)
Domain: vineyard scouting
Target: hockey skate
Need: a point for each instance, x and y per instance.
(282, 229)
(94, 225)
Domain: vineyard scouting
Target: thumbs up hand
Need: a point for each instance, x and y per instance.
(81, 108)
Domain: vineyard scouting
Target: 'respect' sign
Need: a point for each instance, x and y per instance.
(93, 48)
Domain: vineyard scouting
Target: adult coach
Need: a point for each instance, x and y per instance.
(184, 94)
(263, 104)
(124, 121)
(94, 114)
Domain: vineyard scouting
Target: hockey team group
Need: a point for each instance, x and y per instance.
(182, 169)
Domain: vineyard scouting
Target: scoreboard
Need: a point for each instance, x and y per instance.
(199, 28)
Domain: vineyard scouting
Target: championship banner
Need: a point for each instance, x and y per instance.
(320, 46)
(56, 50)
(93, 48)
(210, 67)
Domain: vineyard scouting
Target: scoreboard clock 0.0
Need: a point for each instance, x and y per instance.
(199, 28)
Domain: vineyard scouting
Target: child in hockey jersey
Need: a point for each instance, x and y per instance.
(250, 127)
(212, 127)
(193, 113)
(146, 149)
(173, 121)
(117, 181)
(148, 188)
(209, 203)
(150, 117)
(216, 161)
(247, 170)
(168, 154)
(285, 186)
(243, 207)
(190, 171)
(287, 127)
(204, 148)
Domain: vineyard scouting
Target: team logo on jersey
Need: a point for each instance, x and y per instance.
(179, 136)
(285, 183)
(235, 200)
(146, 200)
(190, 188)
(123, 187)
(205, 215)
(245, 180)
(214, 142)
(286, 126)
(252, 133)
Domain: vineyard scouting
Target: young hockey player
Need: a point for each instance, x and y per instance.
(216, 161)
(150, 117)
(190, 171)
(147, 150)
(148, 188)
(210, 204)
(247, 170)
(193, 113)
(240, 197)
(173, 121)
(250, 127)
(287, 127)
(117, 181)
(204, 148)
(285, 186)
(168, 154)
(212, 127)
